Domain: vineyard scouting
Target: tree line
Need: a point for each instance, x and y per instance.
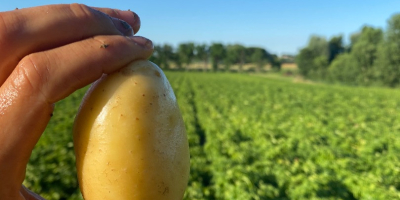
(372, 58)
(219, 56)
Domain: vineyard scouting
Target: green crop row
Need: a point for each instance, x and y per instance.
(266, 139)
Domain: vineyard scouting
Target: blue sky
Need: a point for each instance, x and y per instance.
(282, 26)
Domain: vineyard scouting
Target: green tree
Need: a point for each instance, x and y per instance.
(344, 69)
(275, 62)
(259, 58)
(353, 40)
(318, 45)
(202, 54)
(335, 46)
(235, 54)
(304, 61)
(388, 55)
(365, 52)
(357, 66)
(186, 53)
(217, 54)
(312, 60)
(163, 55)
(168, 54)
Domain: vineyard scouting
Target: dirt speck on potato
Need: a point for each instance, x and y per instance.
(163, 188)
(166, 190)
(157, 73)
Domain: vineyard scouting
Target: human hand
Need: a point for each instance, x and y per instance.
(46, 54)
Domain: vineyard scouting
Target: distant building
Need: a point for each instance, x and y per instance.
(287, 58)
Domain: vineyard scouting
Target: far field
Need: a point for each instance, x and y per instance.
(256, 138)
(235, 67)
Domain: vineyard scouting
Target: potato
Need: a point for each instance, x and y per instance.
(129, 138)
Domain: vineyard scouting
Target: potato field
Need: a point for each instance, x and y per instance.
(256, 138)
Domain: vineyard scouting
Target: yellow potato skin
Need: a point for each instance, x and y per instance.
(129, 138)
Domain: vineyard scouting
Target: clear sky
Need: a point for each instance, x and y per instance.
(280, 26)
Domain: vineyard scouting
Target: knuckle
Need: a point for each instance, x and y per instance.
(89, 17)
(6, 31)
(33, 71)
(110, 12)
(83, 12)
(86, 13)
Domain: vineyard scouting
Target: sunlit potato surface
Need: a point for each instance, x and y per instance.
(129, 138)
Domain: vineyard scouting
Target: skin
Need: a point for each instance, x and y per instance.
(46, 55)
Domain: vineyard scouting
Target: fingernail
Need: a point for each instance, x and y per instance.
(134, 15)
(123, 27)
(132, 18)
(136, 21)
(142, 41)
(128, 28)
(126, 25)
